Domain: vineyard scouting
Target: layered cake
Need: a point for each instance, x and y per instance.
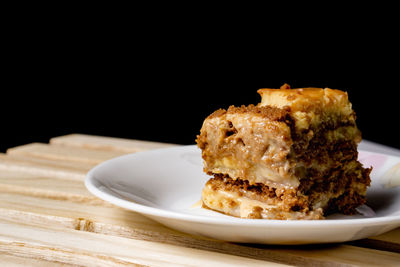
(292, 156)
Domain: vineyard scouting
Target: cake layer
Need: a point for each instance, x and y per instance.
(250, 143)
(259, 144)
(340, 190)
(238, 198)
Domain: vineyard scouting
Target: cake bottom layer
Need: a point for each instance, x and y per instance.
(311, 201)
(238, 198)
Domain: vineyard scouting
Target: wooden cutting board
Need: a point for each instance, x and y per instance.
(47, 217)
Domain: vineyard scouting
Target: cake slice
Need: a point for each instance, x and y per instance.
(293, 156)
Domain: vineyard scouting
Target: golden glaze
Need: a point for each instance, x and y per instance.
(309, 106)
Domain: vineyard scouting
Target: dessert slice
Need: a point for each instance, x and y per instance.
(293, 156)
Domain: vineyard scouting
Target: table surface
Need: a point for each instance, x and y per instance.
(48, 218)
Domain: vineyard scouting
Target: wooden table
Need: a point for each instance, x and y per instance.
(47, 217)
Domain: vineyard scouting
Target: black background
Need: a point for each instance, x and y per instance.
(158, 83)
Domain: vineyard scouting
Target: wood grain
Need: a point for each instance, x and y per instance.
(18, 261)
(389, 241)
(61, 244)
(71, 214)
(119, 222)
(46, 187)
(84, 248)
(46, 167)
(107, 143)
(63, 153)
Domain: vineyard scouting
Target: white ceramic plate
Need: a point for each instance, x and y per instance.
(166, 184)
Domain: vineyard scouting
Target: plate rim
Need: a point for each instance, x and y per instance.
(168, 214)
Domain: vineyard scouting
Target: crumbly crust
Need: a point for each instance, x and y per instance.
(268, 112)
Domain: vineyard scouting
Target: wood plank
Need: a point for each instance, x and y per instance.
(70, 156)
(389, 241)
(41, 186)
(46, 240)
(392, 236)
(45, 167)
(107, 143)
(97, 218)
(10, 159)
(340, 255)
(63, 153)
(84, 248)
